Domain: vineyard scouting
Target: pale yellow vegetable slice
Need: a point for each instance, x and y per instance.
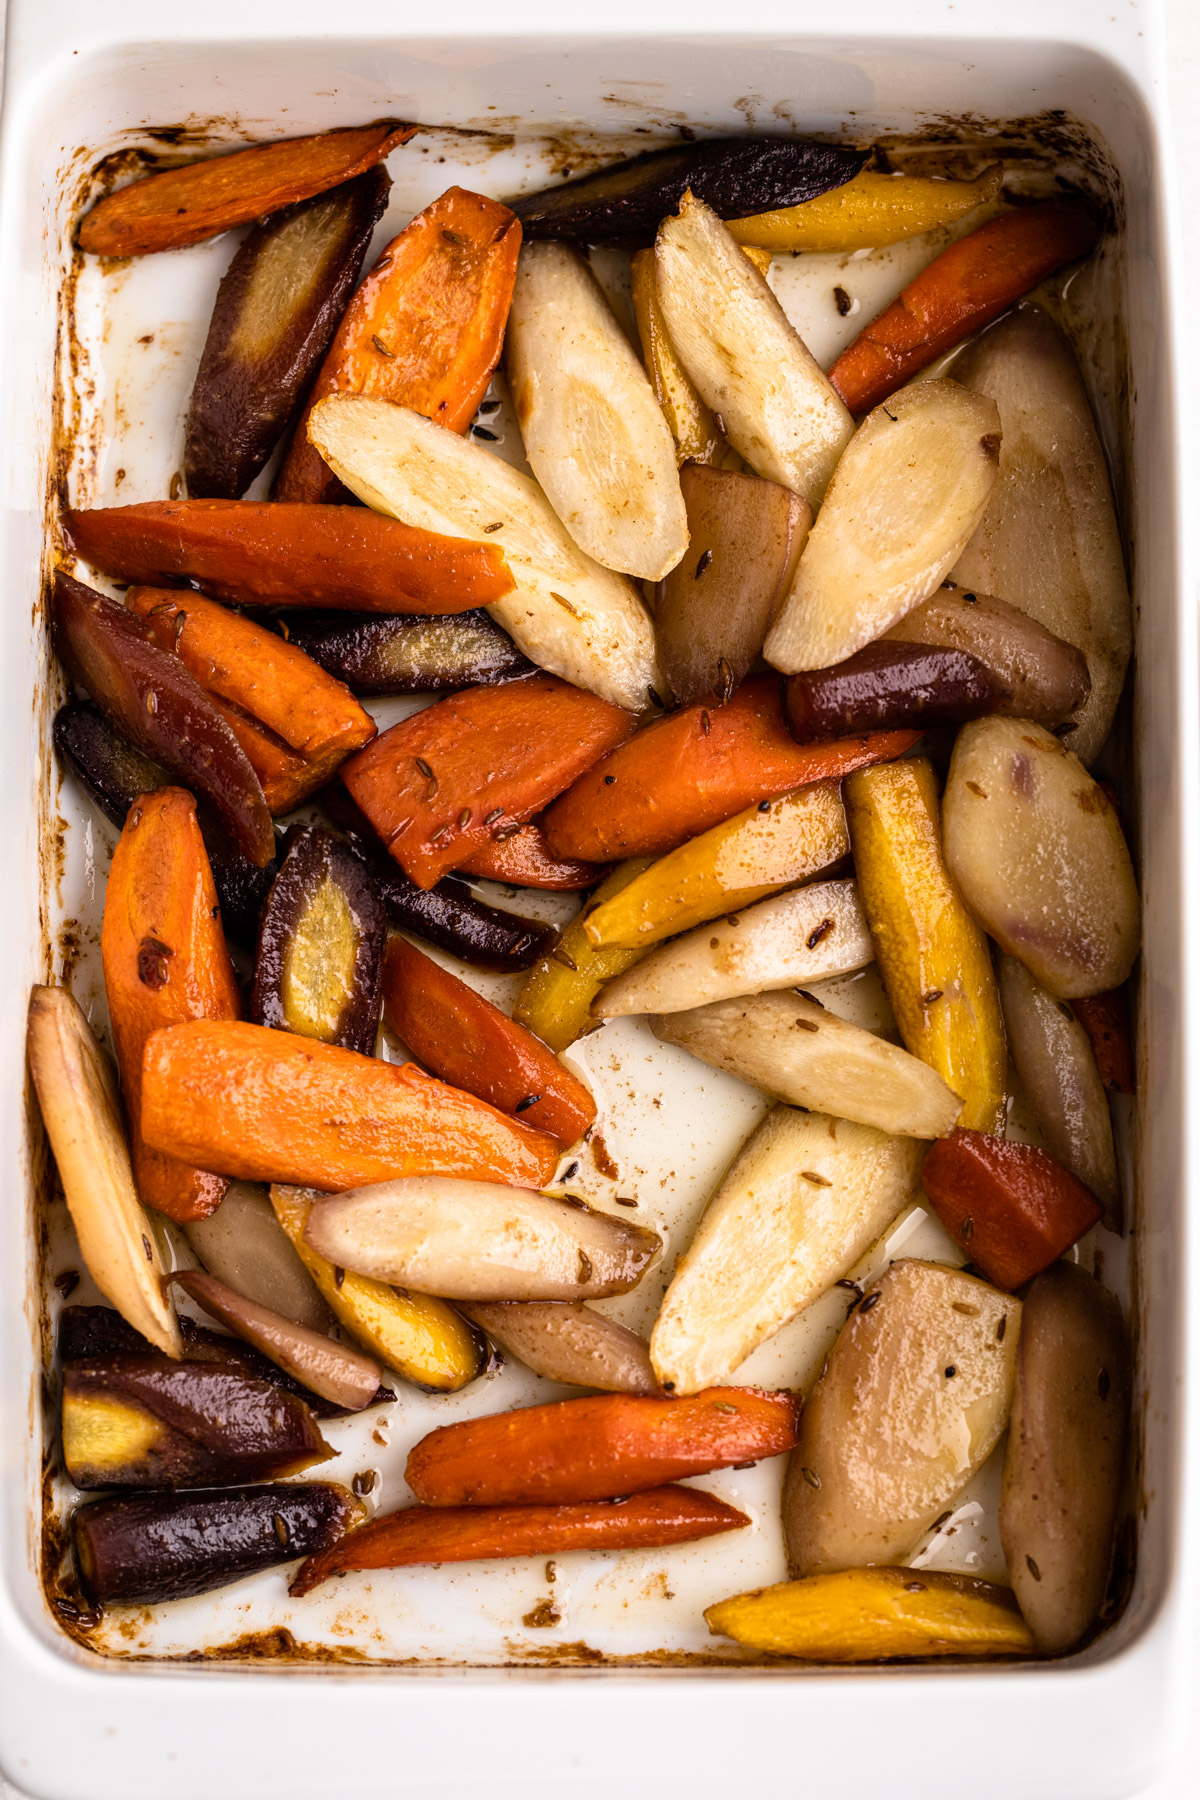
(1049, 542)
(697, 435)
(77, 1093)
(797, 1051)
(748, 857)
(806, 1197)
(748, 364)
(871, 1615)
(912, 1401)
(869, 212)
(244, 1245)
(567, 1341)
(1038, 854)
(555, 1003)
(594, 433)
(566, 613)
(910, 489)
(809, 935)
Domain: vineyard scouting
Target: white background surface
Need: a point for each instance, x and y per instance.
(1183, 61)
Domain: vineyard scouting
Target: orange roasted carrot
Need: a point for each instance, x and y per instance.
(427, 1534)
(184, 206)
(295, 722)
(696, 767)
(267, 555)
(595, 1448)
(424, 330)
(1013, 1208)
(960, 292)
(449, 780)
(523, 859)
(470, 1043)
(264, 1105)
(1105, 1018)
(165, 961)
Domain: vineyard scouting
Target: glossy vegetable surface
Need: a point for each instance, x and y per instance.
(244, 1246)
(556, 1000)
(696, 432)
(886, 686)
(524, 859)
(1046, 678)
(868, 212)
(403, 655)
(1012, 1207)
(564, 1340)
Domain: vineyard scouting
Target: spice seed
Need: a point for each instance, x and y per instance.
(1033, 1568)
(812, 1478)
(870, 1301)
(526, 1103)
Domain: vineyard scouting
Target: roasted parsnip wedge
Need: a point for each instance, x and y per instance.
(477, 1240)
(1045, 677)
(1053, 1057)
(556, 1001)
(909, 491)
(746, 361)
(421, 1338)
(697, 435)
(566, 613)
(796, 1051)
(770, 846)
(594, 433)
(1038, 854)
(808, 935)
(870, 1615)
(932, 956)
(1063, 1468)
(806, 1197)
(868, 212)
(567, 1341)
(913, 1399)
(1049, 540)
(244, 1245)
(77, 1093)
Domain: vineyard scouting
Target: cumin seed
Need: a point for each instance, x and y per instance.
(811, 1476)
(382, 347)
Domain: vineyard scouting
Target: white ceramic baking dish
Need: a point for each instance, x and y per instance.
(75, 1726)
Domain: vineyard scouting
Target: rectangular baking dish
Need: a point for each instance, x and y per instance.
(80, 86)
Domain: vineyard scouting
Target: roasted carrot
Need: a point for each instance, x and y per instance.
(184, 206)
(960, 292)
(267, 555)
(428, 1534)
(1013, 1208)
(1105, 1018)
(165, 961)
(696, 767)
(425, 329)
(264, 1105)
(465, 1040)
(524, 860)
(308, 722)
(595, 1448)
(448, 781)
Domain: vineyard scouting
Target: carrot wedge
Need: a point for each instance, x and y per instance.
(596, 1448)
(263, 681)
(266, 555)
(962, 290)
(451, 780)
(426, 1534)
(1013, 1208)
(262, 1105)
(165, 961)
(695, 768)
(1105, 1018)
(424, 330)
(184, 206)
(465, 1040)
(524, 860)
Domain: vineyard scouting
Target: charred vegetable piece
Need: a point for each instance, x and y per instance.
(563, 1340)
(804, 1199)
(144, 1421)
(696, 432)
(399, 655)
(150, 698)
(1046, 679)
(465, 1040)
(1012, 1207)
(141, 1550)
(912, 1401)
(319, 967)
(1063, 1470)
(165, 960)
(1105, 1018)
(735, 176)
(264, 554)
(77, 1094)
(871, 1615)
(598, 1448)
(1037, 852)
(714, 609)
(556, 1000)
(184, 206)
(885, 686)
(869, 211)
(277, 309)
(477, 1240)
(244, 1245)
(439, 1534)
